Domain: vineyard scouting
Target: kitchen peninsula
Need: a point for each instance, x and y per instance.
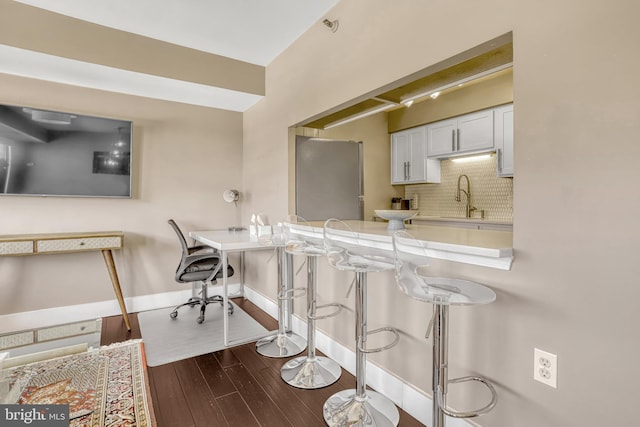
(489, 248)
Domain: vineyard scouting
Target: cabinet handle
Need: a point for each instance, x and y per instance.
(408, 171)
(499, 153)
(405, 171)
(458, 138)
(453, 140)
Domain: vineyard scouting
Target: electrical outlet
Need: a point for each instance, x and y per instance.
(545, 367)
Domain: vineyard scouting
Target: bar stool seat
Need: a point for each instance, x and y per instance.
(359, 407)
(310, 371)
(284, 343)
(413, 279)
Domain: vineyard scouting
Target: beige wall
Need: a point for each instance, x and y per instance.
(573, 287)
(177, 173)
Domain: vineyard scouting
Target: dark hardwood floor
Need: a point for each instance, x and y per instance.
(233, 387)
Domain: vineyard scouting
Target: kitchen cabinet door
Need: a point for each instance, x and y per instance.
(475, 132)
(441, 137)
(503, 119)
(400, 153)
(409, 162)
(471, 133)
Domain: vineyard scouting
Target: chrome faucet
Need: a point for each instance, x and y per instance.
(467, 192)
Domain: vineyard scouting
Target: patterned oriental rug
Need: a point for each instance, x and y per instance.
(106, 387)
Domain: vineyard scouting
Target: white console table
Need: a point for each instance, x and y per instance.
(62, 243)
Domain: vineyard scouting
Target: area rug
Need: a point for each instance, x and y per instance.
(167, 340)
(103, 387)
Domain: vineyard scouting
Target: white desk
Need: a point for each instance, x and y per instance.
(226, 242)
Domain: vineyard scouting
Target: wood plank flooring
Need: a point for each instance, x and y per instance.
(234, 387)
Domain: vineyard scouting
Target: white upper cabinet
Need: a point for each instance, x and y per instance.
(441, 137)
(467, 134)
(409, 163)
(503, 119)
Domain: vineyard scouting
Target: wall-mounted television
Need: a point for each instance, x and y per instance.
(51, 153)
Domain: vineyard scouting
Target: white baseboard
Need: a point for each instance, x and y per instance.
(411, 400)
(75, 313)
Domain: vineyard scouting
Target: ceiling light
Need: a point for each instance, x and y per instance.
(120, 141)
(408, 103)
(468, 159)
(360, 116)
(437, 91)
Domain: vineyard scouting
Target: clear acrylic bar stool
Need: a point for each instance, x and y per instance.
(359, 407)
(413, 279)
(310, 371)
(284, 343)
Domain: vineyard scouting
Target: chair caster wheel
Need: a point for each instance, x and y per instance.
(173, 314)
(230, 309)
(200, 319)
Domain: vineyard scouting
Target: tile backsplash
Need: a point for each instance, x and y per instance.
(488, 192)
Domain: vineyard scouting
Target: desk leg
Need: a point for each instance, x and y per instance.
(111, 267)
(225, 298)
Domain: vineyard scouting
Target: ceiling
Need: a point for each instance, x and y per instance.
(253, 31)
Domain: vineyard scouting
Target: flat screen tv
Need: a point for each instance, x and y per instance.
(50, 153)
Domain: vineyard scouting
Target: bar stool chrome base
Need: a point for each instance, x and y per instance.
(307, 373)
(281, 345)
(442, 292)
(346, 409)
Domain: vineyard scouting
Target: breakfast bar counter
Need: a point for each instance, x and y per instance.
(489, 248)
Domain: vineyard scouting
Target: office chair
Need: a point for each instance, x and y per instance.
(198, 265)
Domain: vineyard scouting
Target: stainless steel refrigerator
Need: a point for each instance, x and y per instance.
(329, 179)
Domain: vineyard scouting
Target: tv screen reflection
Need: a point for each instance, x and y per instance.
(48, 153)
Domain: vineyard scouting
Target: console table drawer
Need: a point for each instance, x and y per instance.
(72, 245)
(16, 248)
